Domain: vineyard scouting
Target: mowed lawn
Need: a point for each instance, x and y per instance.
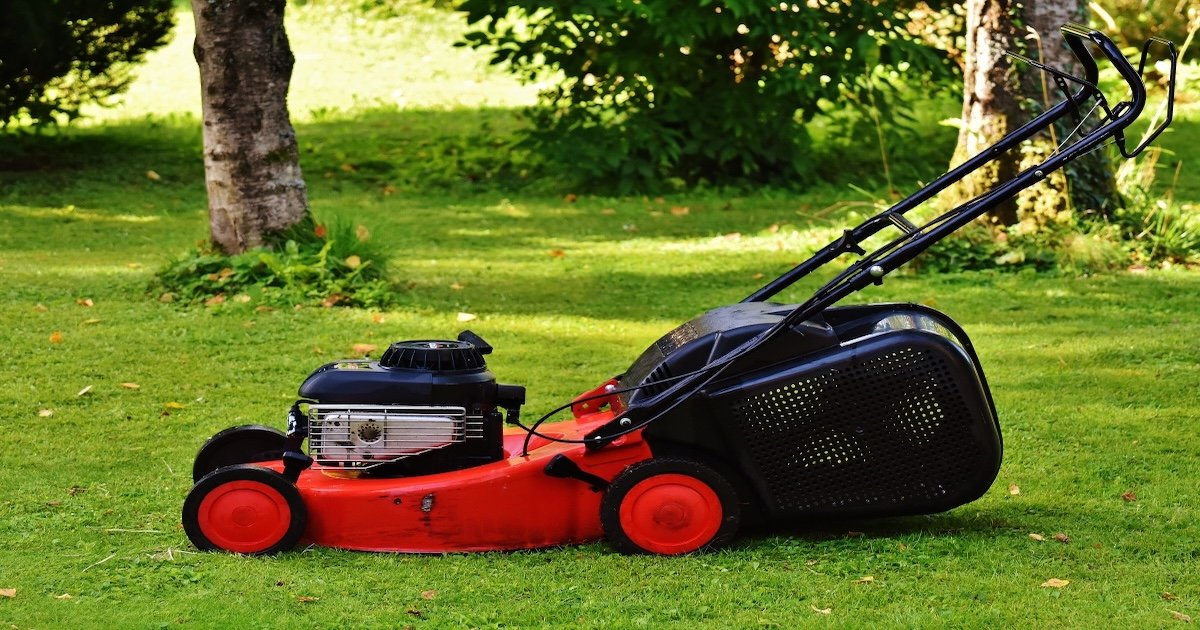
(106, 393)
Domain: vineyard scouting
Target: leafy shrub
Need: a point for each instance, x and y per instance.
(309, 264)
(1138, 20)
(714, 91)
(56, 55)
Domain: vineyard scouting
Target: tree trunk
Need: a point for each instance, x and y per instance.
(990, 105)
(251, 163)
(1001, 95)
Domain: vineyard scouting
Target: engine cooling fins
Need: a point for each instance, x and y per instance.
(433, 356)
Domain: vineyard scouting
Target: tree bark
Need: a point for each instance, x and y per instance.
(990, 105)
(251, 162)
(1001, 95)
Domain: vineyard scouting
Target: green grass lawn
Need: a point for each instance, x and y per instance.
(1095, 380)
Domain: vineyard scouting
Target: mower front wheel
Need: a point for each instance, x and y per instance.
(669, 506)
(238, 445)
(244, 509)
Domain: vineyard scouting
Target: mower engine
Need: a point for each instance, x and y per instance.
(424, 407)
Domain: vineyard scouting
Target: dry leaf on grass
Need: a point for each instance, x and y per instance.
(8, 592)
(557, 253)
(1062, 538)
(1170, 597)
(1180, 616)
(131, 386)
(363, 349)
(39, 307)
(63, 596)
(680, 211)
(1055, 583)
(56, 337)
(241, 298)
(362, 233)
(466, 317)
(45, 413)
(377, 318)
(152, 176)
(215, 300)
(264, 309)
(89, 322)
(1129, 496)
(866, 579)
(173, 405)
(307, 599)
(85, 391)
(571, 198)
(821, 611)
(1014, 489)
(456, 286)
(430, 594)
(85, 302)
(1037, 537)
(608, 212)
(353, 261)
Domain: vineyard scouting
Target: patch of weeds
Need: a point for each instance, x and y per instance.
(311, 263)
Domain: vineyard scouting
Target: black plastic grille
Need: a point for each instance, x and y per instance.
(433, 356)
(891, 432)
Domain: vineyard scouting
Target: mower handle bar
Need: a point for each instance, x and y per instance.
(871, 267)
(1118, 118)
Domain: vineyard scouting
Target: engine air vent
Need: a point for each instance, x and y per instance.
(433, 356)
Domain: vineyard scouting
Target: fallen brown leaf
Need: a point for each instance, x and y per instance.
(608, 212)
(56, 337)
(377, 318)
(362, 233)
(131, 386)
(866, 579)
(1055, 583)
(63, 596)
(363, 348)
(821, 611)
(76, 490)
(39, 307)
(89, 322)
(1170, 597)
(242, 298)
(319, 231)
(466, 317)
(430, 594)
(456, 286)
(87, 302)
(307, 599)
(1037, 537)
(173, 405)
(263, 309)
(1129, 496)
(215, 300)
(1062, 538)
(347, 167)
(152, 176)
(45, 413)
(571, 198)
(353, 261)
(414, 612)
(680, 211)
(1014, 489)
(389, 190)
(1180, 616)
(54, 503)
(167, 297)
(557, 253)
(85, 391)
(8, 592)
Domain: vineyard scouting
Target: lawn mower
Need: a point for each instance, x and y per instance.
(752, 412)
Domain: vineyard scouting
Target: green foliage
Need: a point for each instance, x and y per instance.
(1158, 229)
(309, 264)
(56, 55)
(718, 91)
(1138, 20)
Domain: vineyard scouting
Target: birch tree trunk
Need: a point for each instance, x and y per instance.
(251, 162)
(1001, 95)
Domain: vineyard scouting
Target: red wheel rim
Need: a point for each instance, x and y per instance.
(244, 516)
(671, 514)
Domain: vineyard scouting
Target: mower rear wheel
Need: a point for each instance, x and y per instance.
(238, 445)
(669, 506)
(244, 509)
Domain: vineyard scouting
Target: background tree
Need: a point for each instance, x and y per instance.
(56, 55)
(708, 91)
(1001, 94)
(251, 162)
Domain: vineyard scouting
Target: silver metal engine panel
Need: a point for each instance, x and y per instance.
(365, 436)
